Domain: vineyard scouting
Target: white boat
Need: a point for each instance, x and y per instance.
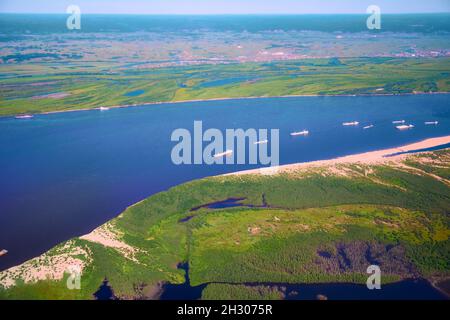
(261, 142)
(398, 121)
(368, 127)
(405, 127)
(223, 154)
(24, 116)
(431, 122)
(3, 252)
(352, 123)
(300, 133)
(103, 108)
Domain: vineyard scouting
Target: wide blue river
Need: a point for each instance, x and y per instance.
(62, 175)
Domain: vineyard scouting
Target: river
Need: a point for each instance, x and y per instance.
(64, 174)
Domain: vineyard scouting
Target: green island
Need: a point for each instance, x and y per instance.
(39, 87)
(311, 224)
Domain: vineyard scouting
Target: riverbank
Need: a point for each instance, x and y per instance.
(230, 98)
(315, 77)
(372, 157)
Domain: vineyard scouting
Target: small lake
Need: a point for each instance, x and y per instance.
(404, 290)
(134, 93)
(410, 289)
(64, 174)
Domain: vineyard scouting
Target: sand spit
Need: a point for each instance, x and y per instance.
(109, 236)
(52, 265)
(368, 158)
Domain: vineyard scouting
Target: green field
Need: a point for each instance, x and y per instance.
(56, 86)
(322, 225)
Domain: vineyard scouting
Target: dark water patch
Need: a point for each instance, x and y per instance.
(186, 219)
(413, 289)
(389, 247)
(324, 254)
(231, 203)
(21, 57)
(264, 201)
(410, 289)
(134, 93)
(104, 292)
(344, 261)
(227, 203)
(182, 291)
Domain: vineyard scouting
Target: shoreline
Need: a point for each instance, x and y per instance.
(231, 98)
(371, 157)
(435, 284)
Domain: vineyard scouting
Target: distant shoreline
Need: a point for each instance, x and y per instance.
(232, 98)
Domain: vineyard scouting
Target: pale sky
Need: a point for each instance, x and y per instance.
(224, 6)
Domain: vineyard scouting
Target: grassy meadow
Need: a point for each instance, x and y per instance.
(52, 86)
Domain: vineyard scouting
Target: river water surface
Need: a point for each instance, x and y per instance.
(64, 174)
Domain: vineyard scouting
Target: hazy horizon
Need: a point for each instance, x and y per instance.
(221, 14)
(225, 7)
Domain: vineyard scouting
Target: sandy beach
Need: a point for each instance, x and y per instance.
(372, 157)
